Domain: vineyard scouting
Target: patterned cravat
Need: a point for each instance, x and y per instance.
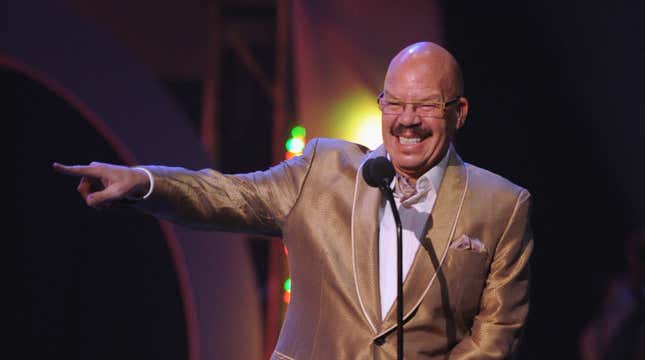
(403, 190)
(409, 194)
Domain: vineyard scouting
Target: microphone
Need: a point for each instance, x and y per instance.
(379, 172)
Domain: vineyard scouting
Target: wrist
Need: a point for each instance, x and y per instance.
(145, 186)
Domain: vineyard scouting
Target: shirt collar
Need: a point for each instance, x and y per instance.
(435, 174)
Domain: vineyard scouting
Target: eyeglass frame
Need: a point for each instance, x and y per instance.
(443, 105)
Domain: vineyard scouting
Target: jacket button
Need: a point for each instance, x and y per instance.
(379, 341)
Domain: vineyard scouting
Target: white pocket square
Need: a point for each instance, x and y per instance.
(465, 242)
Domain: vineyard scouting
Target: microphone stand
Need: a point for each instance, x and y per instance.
(385, 188)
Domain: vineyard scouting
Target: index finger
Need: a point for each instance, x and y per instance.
(77, 170)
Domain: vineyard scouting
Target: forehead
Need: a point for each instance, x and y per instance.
(416, 82)
(413, 94)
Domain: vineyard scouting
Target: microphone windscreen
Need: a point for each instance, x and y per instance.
(378, 171)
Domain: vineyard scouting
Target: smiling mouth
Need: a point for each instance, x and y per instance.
(410, 135)
(409, 141)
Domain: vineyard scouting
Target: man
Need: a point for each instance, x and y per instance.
(466, 237)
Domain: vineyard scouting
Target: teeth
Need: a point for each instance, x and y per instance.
(409, 141)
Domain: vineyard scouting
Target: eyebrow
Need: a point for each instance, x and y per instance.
(429, 98)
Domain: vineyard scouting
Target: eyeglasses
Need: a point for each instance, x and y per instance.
(429, 109)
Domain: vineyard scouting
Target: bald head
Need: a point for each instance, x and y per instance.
(425, 64)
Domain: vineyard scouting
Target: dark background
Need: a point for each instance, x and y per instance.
(556, 106)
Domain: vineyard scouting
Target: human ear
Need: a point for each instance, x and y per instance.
(462, 112)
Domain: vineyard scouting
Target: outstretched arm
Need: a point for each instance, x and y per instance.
(256, 202)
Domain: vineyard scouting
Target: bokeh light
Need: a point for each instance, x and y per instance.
(298, 131)
(357, 118)
(295, 144)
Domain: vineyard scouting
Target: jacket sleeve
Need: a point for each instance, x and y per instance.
(504, 304)
(257, 202)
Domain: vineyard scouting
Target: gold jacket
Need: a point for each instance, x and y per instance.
(459, 302)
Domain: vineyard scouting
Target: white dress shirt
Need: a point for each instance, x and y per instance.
(414, 213)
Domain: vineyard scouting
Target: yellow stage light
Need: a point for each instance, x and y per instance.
(357, 118)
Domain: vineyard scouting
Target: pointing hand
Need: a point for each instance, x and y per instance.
(102, 184)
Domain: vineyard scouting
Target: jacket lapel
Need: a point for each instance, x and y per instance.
(440, 229)
(365, 229)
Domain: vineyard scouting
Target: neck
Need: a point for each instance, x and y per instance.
(413, 175)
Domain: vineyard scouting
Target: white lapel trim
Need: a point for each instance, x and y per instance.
(358, 291)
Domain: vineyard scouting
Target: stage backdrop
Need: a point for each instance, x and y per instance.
(50, 45)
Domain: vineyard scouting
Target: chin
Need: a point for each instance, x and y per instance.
(411, 166)
(414, 169)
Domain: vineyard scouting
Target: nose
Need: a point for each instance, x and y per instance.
(409, 117)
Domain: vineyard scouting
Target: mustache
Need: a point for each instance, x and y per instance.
(414, 131)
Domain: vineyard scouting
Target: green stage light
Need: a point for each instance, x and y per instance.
(298, 131)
